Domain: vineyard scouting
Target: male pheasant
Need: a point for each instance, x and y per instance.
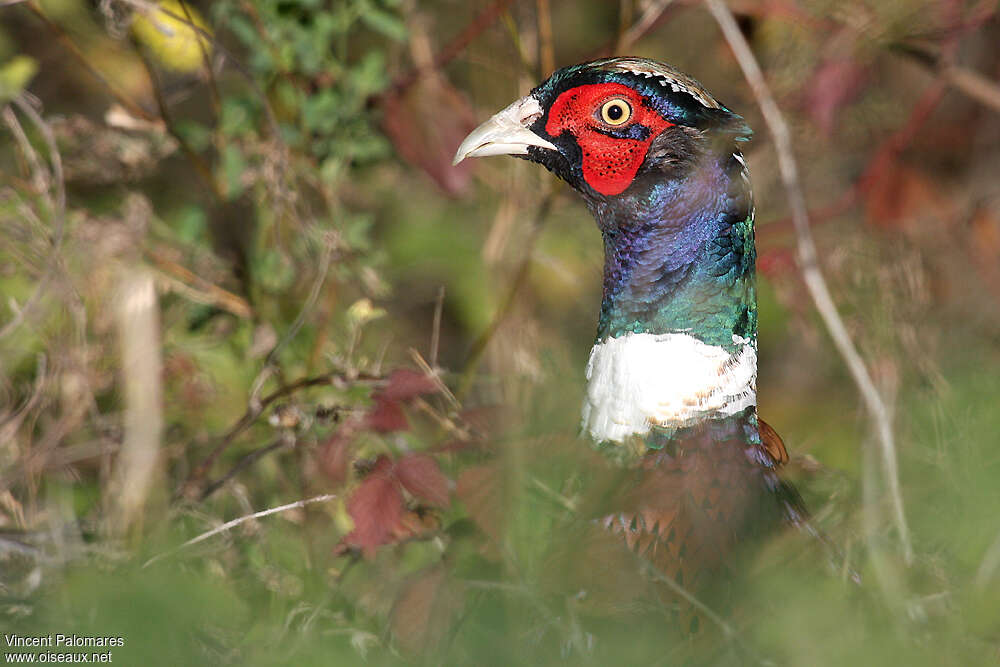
(672, 374)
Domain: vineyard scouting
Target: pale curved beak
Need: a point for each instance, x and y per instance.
(506, 133)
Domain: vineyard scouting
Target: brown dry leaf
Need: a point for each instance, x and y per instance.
(594, 564)
(480, 488)
(896, 193)
(984, 246)
(422, 613)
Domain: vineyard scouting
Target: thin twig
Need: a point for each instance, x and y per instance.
(151, 8)
(197, 288)
(648, 19)
(481, 22)
(436, 327)
(56, 203)
(64, 39)
(435, 377)
(54, 157)
(256, 408)
(243, 519)
(245, 462)
(623, 40)
(213, 87)
(201, 167)
(811, 273)
(963, 79)
(973, 84)
(728, 630)
(690, 598)
(310, 302)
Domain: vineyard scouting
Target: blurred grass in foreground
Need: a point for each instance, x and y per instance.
(297, 216)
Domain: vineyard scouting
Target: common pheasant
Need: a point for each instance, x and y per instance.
(673, 371)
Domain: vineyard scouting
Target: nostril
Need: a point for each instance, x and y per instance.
(530, 118)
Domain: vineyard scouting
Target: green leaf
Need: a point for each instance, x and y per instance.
(15, 75)
(385, 23)
(233, 166)
(190, 224)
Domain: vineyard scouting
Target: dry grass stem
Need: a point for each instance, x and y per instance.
(45, 180)
(974, 84)
(436, 327)
(229, 525)
(809, 265)
(433, 374)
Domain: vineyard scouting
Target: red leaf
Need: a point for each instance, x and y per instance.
(386, 417)
(775, 261)
(334, 455)
(420, 475)
(376, 507)
(835, 84)
(426, 123)
(405, 385)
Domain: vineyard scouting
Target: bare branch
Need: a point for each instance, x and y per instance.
(243, 519)
(654, 11)
(245, 462)
(973, 84)
(811, 273)
(255, 409)
(483, 20)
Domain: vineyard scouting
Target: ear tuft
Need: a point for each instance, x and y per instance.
(725, 121)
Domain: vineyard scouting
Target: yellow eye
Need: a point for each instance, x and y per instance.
(616, 112)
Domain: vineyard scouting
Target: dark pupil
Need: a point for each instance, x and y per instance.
(615, 111)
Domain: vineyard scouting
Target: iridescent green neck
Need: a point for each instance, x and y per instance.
(679, 257)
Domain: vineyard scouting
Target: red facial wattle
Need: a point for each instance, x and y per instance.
(609, 163)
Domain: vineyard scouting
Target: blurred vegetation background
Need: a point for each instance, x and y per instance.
(239, 271)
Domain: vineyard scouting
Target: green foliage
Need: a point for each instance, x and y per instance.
(15, 75)
(290, 243)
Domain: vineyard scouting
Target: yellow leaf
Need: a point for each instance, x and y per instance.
(170, 37)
